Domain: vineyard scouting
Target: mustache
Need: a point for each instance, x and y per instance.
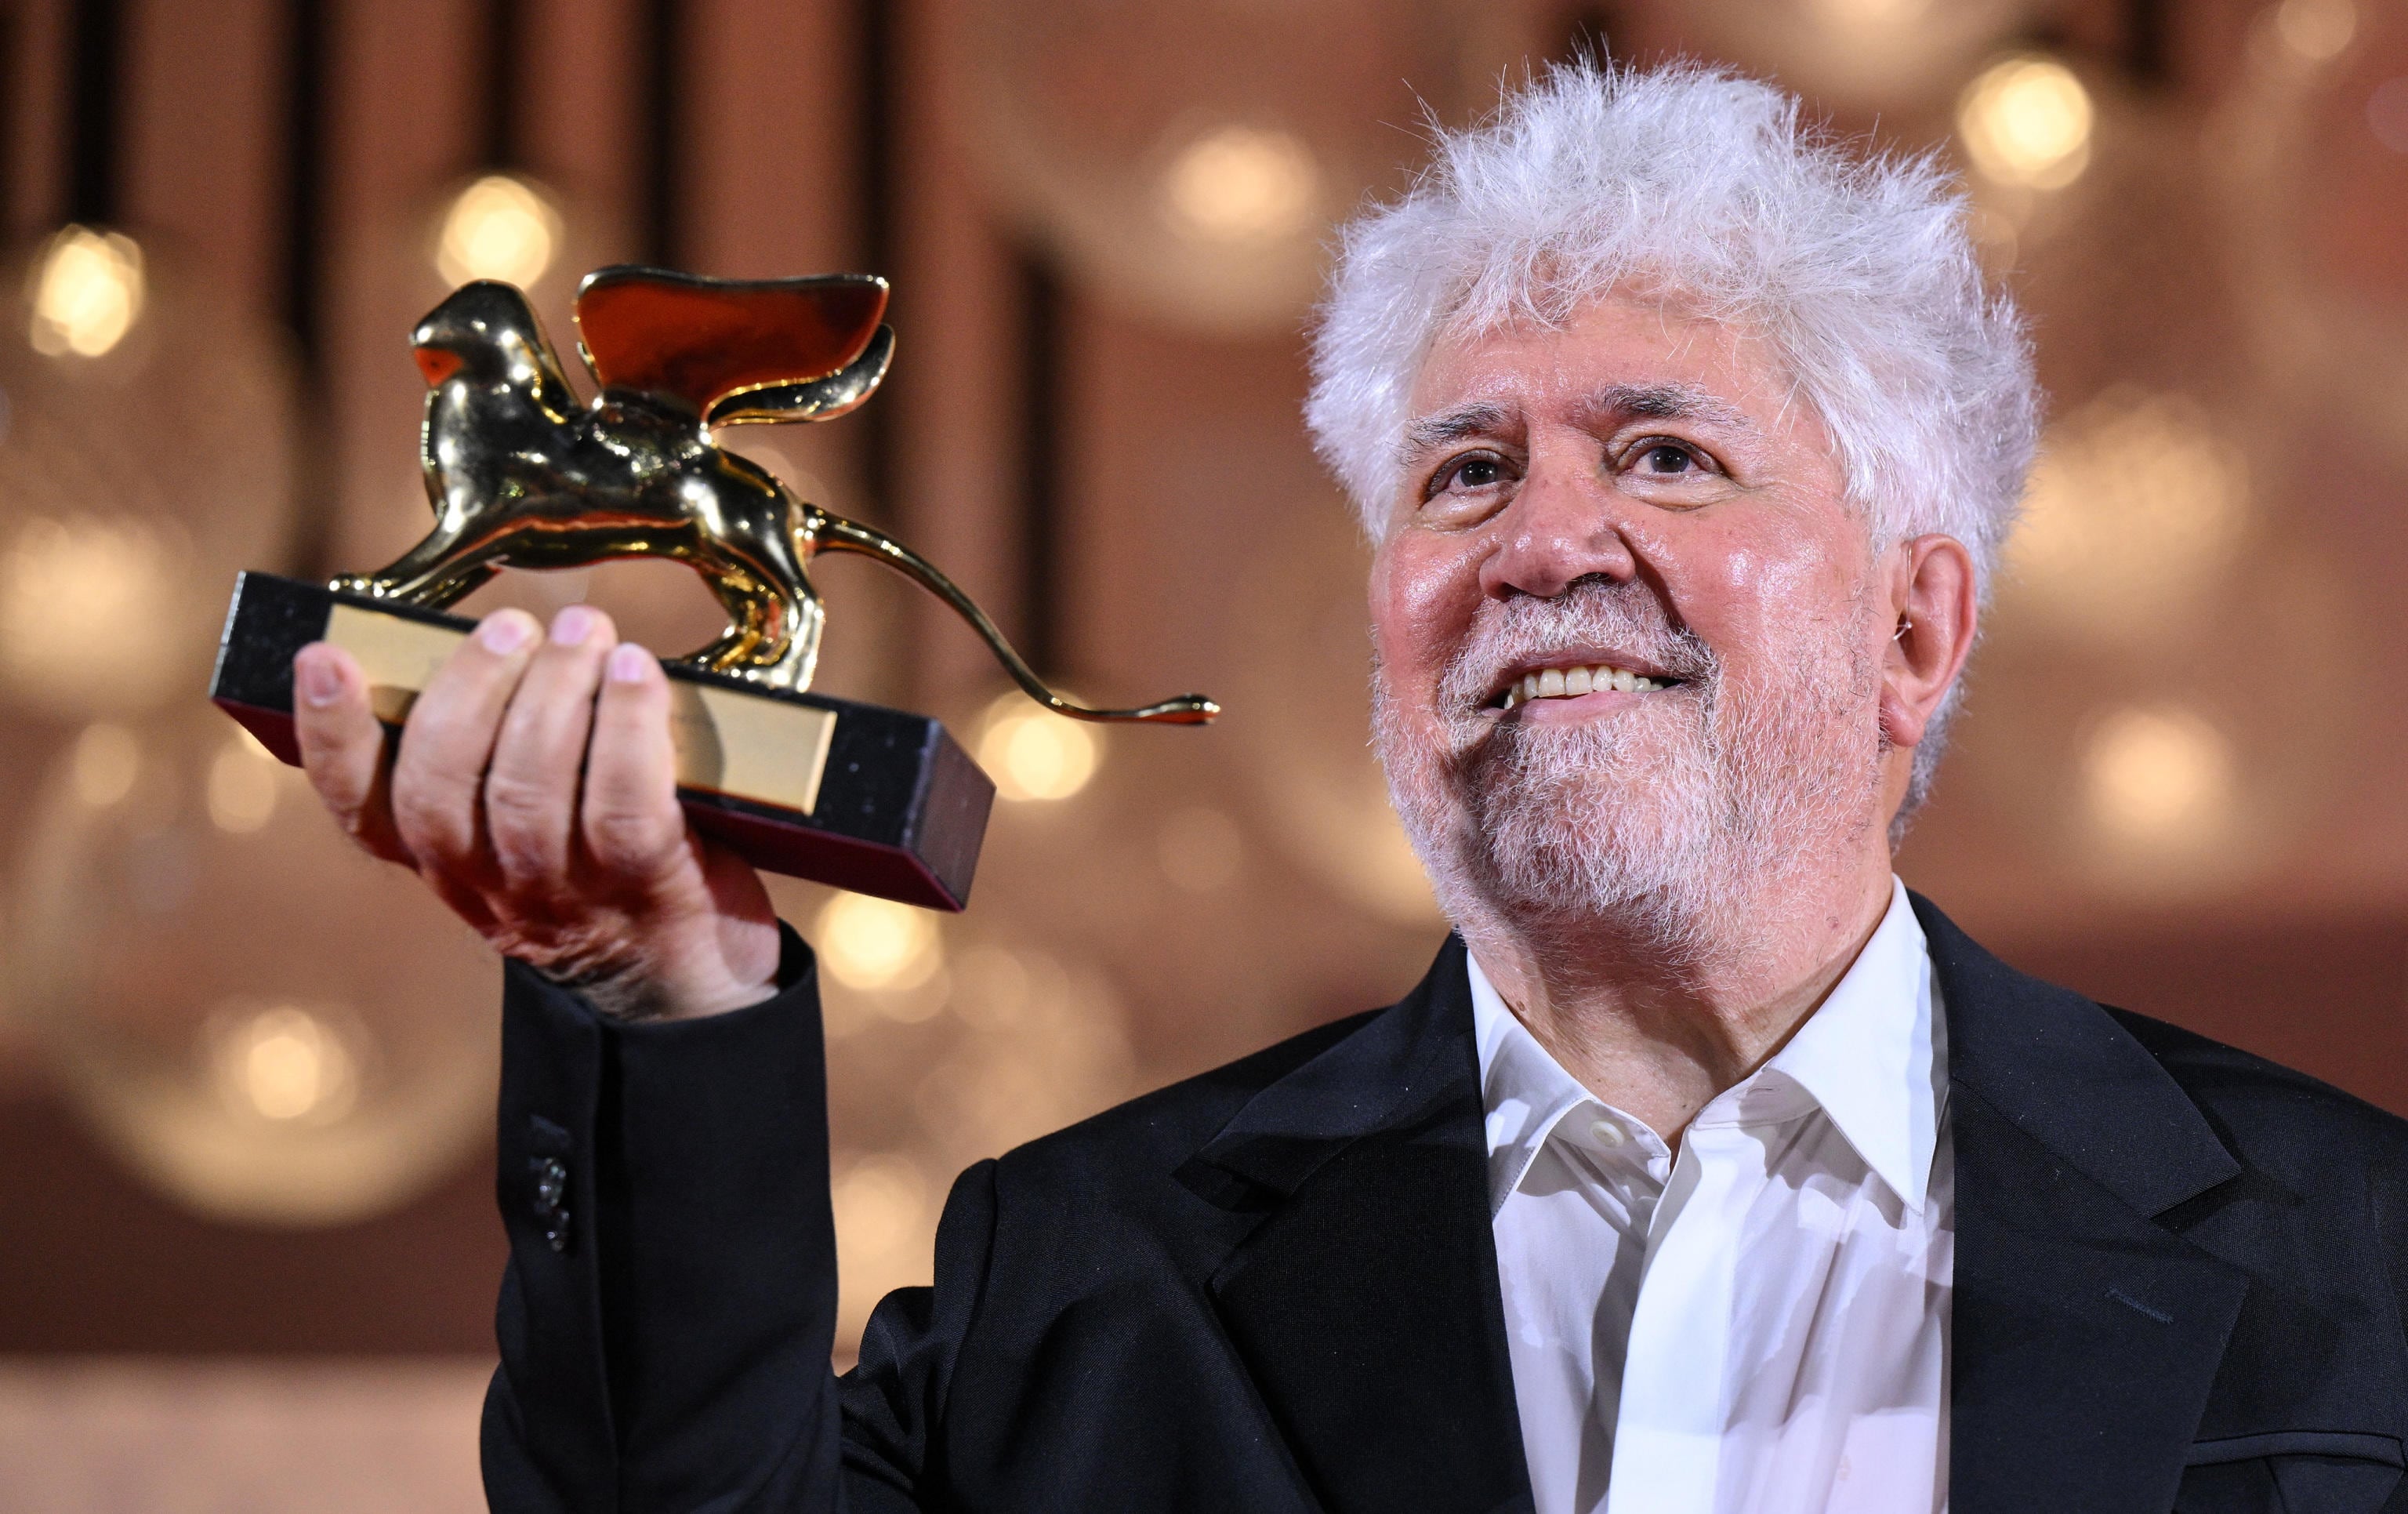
(1591, 614)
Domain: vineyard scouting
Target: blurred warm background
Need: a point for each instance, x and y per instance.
(247, 1251)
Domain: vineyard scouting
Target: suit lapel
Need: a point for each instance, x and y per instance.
(2085, 1335)
(1363, 1293)
(1365, 1300)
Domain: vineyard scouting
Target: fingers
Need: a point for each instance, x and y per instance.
(531, 788)
(631, 823)
(449, 739)
(343, 746)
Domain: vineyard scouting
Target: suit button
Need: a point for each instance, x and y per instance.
(550, 1190)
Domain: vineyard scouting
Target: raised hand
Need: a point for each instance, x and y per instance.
(534, 790)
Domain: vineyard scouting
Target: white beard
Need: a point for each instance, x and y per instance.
(1664, 820)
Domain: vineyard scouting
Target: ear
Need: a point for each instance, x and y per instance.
(1932, 592)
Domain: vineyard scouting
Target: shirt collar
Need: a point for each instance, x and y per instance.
(1874, 1056)
(1525, 1091)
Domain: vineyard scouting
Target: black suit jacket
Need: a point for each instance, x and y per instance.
(1273, 1287)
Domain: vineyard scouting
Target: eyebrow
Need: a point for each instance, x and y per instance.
(1666, 402)
(1432, 432)
(1614, 404)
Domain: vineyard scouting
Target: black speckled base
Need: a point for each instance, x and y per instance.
(901, 811)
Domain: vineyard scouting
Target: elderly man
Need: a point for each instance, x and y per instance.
(1707, 1170)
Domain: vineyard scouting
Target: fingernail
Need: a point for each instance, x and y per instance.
(319, 684)
(573, 624)
(504, 631)
(628, 663)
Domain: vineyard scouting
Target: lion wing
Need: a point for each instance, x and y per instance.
(706, 341)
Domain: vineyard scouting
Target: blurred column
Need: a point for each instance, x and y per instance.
(963, 421)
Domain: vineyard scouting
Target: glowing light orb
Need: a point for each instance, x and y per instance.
(502, 227)
(242, 785)
(1241, 184)
(105, 762)
(2028, 122)
(2158, 775)
(2136, 508)
(77, 597)
(2316, 29)
(1032, 754)
(284, 1063)
(876, 943)
(87, 292)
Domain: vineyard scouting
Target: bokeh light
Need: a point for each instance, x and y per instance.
(876, 943)
(2026, 121)
(87, 292)
(884, 1209)
(2158, 777)
(1242, 184)
(2316, 29)
(267, 1024)
(2386, 113)
(2137, 507)
(105, 762)
(1867, 15)
(283, 1064)
(1033, 754)
(502, 226)
(79, 598)
(243, 784)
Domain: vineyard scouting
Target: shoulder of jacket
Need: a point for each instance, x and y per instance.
(2258, 1102)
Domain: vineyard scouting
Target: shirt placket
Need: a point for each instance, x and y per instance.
(1667, 1435)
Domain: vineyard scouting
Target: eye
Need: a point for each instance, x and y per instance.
(1667, 459)
(1471, 471)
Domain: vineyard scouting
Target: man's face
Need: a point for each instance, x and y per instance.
(1634, 502)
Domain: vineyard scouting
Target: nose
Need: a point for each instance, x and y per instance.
(1565, 524)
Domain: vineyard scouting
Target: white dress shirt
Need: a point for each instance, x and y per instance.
(1759, 1326)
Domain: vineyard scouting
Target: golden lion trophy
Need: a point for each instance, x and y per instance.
(521, 475)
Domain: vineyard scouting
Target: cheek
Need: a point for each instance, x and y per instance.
(1759, 594)
(1422, 606)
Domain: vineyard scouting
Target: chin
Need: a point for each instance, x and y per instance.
(1568, 823)
(1594, 844)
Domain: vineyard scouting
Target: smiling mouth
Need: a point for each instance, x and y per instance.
(1571, 683)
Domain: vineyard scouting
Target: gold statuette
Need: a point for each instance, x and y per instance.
(521, 475)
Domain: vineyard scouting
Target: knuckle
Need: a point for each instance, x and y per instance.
(430, 819)
(630, 838)
(336, 788)
(527, 825)
(529, 860)
(517, 800)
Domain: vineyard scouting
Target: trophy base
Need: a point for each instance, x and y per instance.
(875, 800)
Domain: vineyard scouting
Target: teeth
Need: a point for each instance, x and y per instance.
(1568, 683)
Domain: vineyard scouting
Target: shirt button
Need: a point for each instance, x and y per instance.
(1605, 1133)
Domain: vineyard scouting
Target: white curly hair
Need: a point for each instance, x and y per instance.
(1705, 188)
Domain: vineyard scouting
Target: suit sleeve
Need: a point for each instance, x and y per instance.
(670, 1299)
